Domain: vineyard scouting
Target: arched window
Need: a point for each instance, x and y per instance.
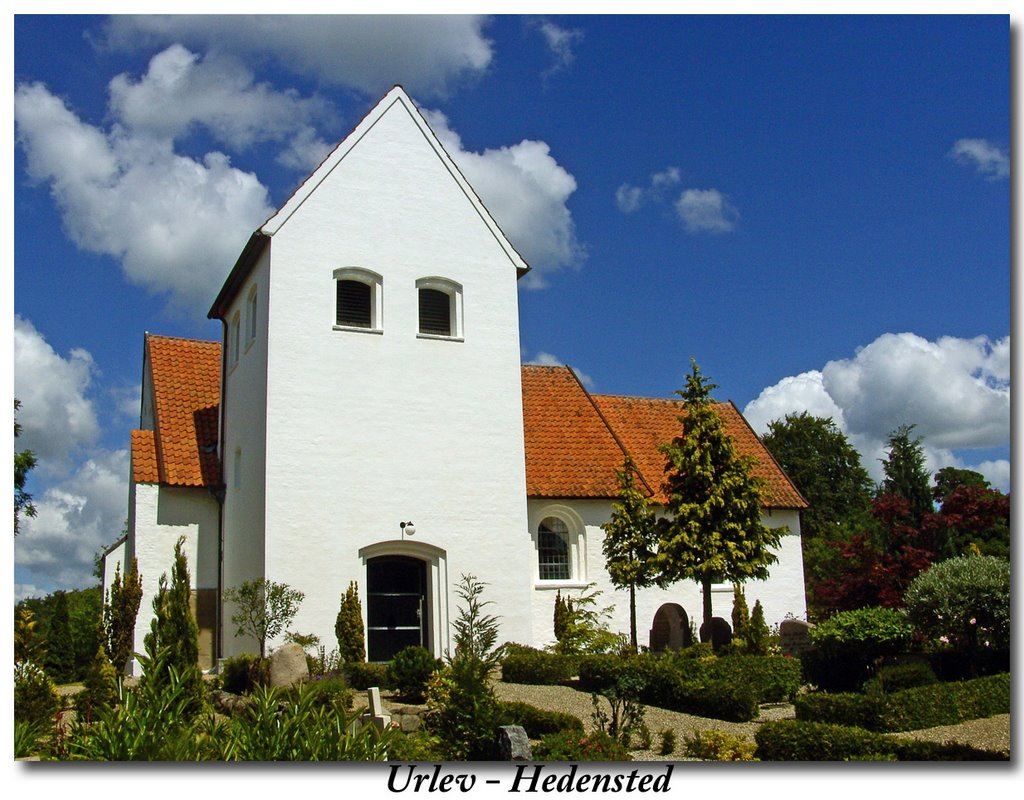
(553, 550)
(440, 308)
(358, 302)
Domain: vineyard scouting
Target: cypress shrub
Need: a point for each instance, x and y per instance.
(119, 614)
(100, 687)
(60, 644)
(348, 627)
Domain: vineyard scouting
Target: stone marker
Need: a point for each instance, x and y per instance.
(513, 744)
(794, 636)
(288, 666)
(374, 714)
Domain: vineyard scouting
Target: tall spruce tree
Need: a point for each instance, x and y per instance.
(119, 615)
(174, 630)
(348, 627)
(712, 531)
(60, 642)
(630, 541)
(905, 473)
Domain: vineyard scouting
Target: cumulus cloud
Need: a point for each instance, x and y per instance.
(629, 198)
(176, 224)
(180, 91)
(429, 54)
(75, 519)
(560, 42)
(543, 359)
(706, 210)
(56, 416)
(526, 191)
(955, 391)
(986, 157)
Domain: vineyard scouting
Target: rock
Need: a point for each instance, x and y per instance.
(513, 744)
(288, 666)
(227, 703)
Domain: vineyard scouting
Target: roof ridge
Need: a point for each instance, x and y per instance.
(181, 339)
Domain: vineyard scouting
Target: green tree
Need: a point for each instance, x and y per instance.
(174, 633)
(630, 539)
(29, 644)
(905, 473)
(265, 609)
(740, 614)
(826, 468)
(757, 633)
(60, 642)
(713, 530)
(560, 617)
(119, 615)
(24, 461)
(100, 686)
(348, 627)
(949, 479)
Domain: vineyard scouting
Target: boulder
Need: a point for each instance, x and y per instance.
(288, 666)
(512, 744)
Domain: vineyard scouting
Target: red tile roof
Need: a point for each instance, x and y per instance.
(186, 399)
(144, 463)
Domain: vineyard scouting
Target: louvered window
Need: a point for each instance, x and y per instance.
(553, 550)
(435, 312)
(355, 300)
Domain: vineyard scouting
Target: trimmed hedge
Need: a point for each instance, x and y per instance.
(537, 667)
(537, 721)
(797, 740)
(910, 709)
(774, 678)
(362, 675)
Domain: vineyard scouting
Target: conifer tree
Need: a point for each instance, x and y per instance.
(174, 630)
(905, 473)
(60, 643)
(348, 627)
(561, 617)
(740, 614)
(757, 631)
(713, 530)
(119, 615)
(28, 642)
(630, 539)
(100, 686)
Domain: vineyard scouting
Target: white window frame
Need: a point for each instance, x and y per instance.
(576, 539)
(454, 292)
(251, 310)
(376, 284)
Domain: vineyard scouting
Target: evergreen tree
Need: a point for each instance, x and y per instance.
(630, 538)
(100, 686)
(740, 614)
(29, 645)
(757, 632)
(174, 630)
(348, 627)
(713, 530)
(119, 615)
(905, 473)
(561, 617)
(60, 644)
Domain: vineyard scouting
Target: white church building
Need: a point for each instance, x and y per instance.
(366, 418)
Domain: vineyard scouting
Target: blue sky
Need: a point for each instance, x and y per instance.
(815, 208)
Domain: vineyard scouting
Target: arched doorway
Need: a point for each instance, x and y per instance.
(397, 613)
(670, 629)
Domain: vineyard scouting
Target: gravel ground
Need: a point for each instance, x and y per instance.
(991, 734)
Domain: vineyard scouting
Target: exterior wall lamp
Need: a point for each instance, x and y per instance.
(407, 528)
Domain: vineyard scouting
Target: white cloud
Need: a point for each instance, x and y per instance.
(629, 198)
(176, 224)
(56, 417)
(75, 519)
(560, 42)
(667, 177)
(180, 90)
(955, 391)
(989, 159)
(543, 359)
(429, 54)
(526, 190)
(706, 210)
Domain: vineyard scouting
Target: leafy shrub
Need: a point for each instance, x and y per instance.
(100, 686)
(362, 675)
(850, 644)
(328, 691)
(537, 721)
(625, 715)
(896, 677)
(416, 746)
(572, 746)
(537, 667)
(26, 738)
(668, 742)
(796, 740)
(35, 697)
(242, 673)
(963, 602)
(911, 709)
(774, 678)
(719, 746)
(410, 670)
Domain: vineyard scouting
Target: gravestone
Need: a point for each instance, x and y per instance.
(513, 744)
(374, 714)
(719, 634)
(795, 636)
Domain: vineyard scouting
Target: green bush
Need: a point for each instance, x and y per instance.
(719, 746)
(775, 678)
(963, 602)
(796, 740)
(362, 675)
(537, 721)
(101, 687)
(410, 670)
(849, 645)
(328, 691)
(910, 709)
(897, 677)
(573, 746)
(242, 673)
(537, 667)
(35, 697)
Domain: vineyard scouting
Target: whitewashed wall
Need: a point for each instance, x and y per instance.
(781, 594)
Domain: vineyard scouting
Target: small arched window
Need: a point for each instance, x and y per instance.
(553, 550)
(358, 302)
(440, 308)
